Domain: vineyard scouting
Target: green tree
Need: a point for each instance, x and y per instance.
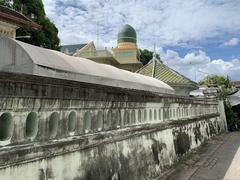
(221, 81)
(34, 9)
(7, 3)
(146, 56)
(226, 87)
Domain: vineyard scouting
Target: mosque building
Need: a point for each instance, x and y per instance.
(125, 56)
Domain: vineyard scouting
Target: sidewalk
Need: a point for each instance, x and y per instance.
(217, 159)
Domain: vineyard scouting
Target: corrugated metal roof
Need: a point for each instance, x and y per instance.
(76, 68)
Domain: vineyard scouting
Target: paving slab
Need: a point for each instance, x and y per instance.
(218, 159)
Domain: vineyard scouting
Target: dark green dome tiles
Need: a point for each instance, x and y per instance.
(127, 34)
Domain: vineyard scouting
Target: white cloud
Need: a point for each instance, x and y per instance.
(232, 42)
(161, 22)
(166, 22)
(198, 65)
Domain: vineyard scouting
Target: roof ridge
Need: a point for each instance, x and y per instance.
(10, 14)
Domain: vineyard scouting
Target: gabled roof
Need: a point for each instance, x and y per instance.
(29, 59)
(155, 68)
(72, 48)
(11, 16)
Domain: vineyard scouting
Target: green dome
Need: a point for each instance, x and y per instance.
(127, 34)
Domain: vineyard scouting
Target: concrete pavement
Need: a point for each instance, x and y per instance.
(217, 159)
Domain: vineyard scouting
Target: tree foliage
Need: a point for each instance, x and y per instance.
(146, 56)
(7, 3)
(227, 88)
(34, 9)
(221, 81)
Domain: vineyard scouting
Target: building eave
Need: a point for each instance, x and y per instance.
(11, 16)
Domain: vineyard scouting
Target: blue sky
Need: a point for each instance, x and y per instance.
(194, 37)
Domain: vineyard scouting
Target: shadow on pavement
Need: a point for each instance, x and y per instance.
(213, 160)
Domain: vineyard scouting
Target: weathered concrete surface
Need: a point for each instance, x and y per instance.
(217, 159)
(67, 130)
(20, 57)
(141, 155)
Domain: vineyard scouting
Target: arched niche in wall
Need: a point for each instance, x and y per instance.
(116, 119)
(87, 122)
(31, 125)
(94, 120)
(165, 114)
(155, 114)
(133, 117)
(150, 114)
(139, 115)
(72, 120)
(145, 115)
(126, 118)
(108, 120)
(100, 121)
(159, 114)
(6, 126)
(53, 124)
(119, 118)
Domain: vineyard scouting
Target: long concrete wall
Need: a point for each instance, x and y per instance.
(65, 130)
